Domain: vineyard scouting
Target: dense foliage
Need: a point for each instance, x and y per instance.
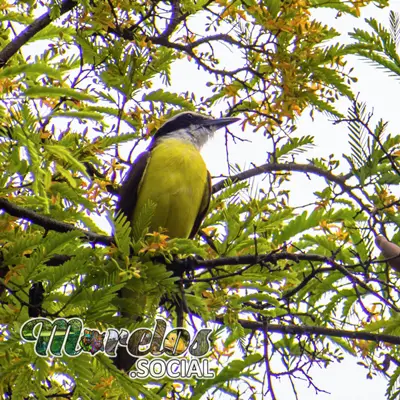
(83, 82)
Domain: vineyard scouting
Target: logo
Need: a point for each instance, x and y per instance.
(183, 356)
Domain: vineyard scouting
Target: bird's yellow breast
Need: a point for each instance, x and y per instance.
(175, 179)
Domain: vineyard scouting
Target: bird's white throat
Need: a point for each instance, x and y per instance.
(196, 134)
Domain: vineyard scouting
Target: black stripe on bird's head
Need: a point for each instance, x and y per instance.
(192, 127)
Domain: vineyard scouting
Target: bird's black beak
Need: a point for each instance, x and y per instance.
(218, 123)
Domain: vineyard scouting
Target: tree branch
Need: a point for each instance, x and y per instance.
(359, 282)
(307, 168)
(272, 257)
(273, 167)
(50, 223)
(316, 330)
(32, 30)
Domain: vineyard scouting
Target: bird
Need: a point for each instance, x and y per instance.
(390, 251)
(172, 175)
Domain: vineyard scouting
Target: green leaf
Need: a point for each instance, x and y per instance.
(337, 5)
(40, 91)
(122, 233)
(295, 146)
(168, 98)
(63, 154)
(231, 372)
(78, 114)
(300, 224)
(31, 70)
(273, 7)
(143, 220)
(72, 194)
(53, 31)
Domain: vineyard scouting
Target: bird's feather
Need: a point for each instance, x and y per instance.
(203, 207)
(176, 180)
(130, 187)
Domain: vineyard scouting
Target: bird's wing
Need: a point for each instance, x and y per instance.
(205, 202)
(129, 190)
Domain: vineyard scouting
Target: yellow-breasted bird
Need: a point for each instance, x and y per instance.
(171, 174)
